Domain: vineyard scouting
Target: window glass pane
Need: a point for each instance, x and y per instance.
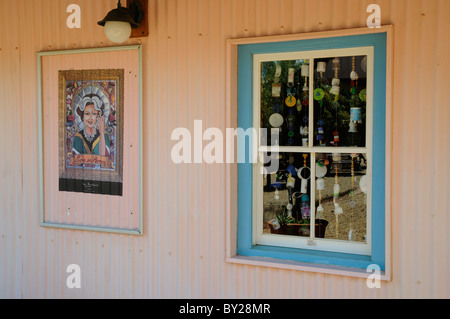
(340, 101)
(284, 101)
(340, 195)
(286, 195)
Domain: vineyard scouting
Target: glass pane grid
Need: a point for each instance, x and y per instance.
(316, 130)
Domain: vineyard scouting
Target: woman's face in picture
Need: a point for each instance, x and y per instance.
(90, 116)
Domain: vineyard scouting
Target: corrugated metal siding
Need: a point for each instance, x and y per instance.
(182, 251)
(11, 241)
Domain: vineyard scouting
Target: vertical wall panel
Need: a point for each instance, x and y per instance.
(182, 251)
(12, 215)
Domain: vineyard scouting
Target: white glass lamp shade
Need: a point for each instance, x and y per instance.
(117, 31)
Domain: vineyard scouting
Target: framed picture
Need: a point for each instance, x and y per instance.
(90, 139)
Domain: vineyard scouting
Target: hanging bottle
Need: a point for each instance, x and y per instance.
(290, 124)
(319, 95)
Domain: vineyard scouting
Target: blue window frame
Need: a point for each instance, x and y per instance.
(245, 241)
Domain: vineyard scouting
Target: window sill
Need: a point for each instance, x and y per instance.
(305, 260)
(303, 266)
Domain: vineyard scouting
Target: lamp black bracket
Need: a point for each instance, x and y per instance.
(141, 17)
(136, 12)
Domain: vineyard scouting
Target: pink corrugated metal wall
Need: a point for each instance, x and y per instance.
(182, 252)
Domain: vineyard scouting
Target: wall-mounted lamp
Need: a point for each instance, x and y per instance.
(125, 22)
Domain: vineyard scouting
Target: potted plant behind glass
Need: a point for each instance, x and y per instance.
(319, 230)
(287, 225)
(280, 224)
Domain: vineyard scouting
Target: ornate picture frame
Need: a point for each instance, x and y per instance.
(90, 159)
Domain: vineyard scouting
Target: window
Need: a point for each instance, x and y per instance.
(317, 194)
(314, 104)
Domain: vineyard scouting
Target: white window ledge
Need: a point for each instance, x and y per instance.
(308, 267)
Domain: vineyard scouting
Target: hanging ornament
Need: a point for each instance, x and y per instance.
(336, 137)
(304, 174)
(276, 89)
(305, 211)
(290, 182)
(289, 209)
(276, 85)
(277, 195)
(304, 131)
(355, 110)
(318, 92)
(291, 73)
(276, 120)
(305, 95)
(352, 126)
(335, 88)
(321, 171)
(320, 132)
(299, 105)
(362, 95)
(320, 122)
(321, 67)
(363, 187)
(318, 95)
(364, 64)
(276, 106)
(350, 233)
(355, 113)
(290, 100)
(352, 194)
(276, 184)
(290, 120)
(353, 74)
(321, 168)
(305, 69)
(336, 190)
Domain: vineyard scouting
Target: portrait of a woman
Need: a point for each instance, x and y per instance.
(92, 138)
